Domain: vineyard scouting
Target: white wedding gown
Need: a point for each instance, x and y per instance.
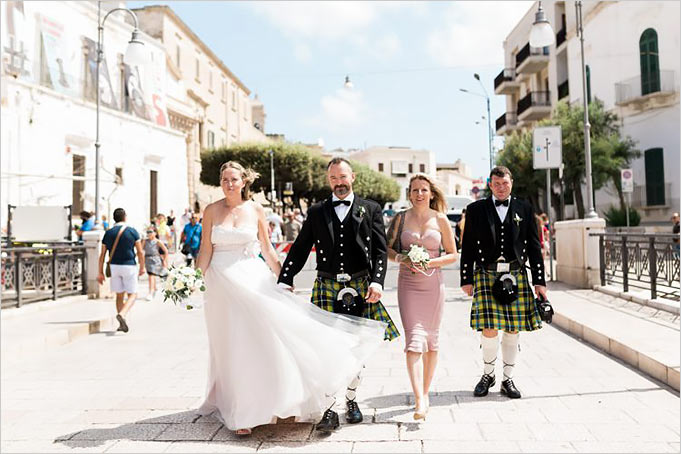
(272, 353)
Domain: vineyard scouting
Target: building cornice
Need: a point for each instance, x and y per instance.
(166, 10)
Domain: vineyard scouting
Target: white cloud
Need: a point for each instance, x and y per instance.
(302, 52)
(475, 32)
(345, 109)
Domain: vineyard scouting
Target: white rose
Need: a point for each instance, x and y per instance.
(178, 285)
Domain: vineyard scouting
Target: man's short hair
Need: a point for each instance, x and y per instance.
(501, 172)
(85, 214)
(338, 160)
(119, 215)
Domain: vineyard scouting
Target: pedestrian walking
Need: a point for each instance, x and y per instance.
(122, 243)
(173, 231)
(420, 286)
(291, 227)
(162, 229)
(191, 238)
(155, 260)
(458, 230)
(349, 238)
(87, 224)
(499, 237)
(676, 229)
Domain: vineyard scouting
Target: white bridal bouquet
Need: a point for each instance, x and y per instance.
(181, 283)
(419, 256)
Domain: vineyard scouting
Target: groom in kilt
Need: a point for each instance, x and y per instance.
(499, 237)
(349, 239)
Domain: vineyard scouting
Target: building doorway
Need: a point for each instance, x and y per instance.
(78, 184)
(153, 193)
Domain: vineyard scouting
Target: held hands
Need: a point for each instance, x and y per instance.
(467, 289)
(373, 295)
(404, 260)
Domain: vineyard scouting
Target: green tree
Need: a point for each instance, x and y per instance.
(517, 156)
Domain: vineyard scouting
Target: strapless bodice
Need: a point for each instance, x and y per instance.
(430, 240)
(235, 239)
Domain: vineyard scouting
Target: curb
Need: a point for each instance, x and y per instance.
(640, 361)
(656, 304)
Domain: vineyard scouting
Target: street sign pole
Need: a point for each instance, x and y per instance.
(548, 205)
(627, 184)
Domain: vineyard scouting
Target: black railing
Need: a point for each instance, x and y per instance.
(506, 74)
(31, 274)
(534, 98)
(560, 37)
(509, 118)
(648, 261)
(563, 90)
(526, 51)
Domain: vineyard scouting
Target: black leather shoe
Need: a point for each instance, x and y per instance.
(329, 421)
(508, 388)
(123, 326)
(483, 386)
(352, 414)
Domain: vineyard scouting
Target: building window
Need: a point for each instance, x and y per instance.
(380, 167)
(650, 63)
(177, 56)
(211, 139)
(588, 83)
(654, 162)
(197, 70)
(411, 168)
(224, 91)
(422, 168)
(78, 188)
(233, 98)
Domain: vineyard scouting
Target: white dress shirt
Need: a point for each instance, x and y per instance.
(343, 210)
(501, 209)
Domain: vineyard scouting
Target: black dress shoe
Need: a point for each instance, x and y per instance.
(123, 325)
(352, 414)
(483, 386)
(508, 388)
(329, 421)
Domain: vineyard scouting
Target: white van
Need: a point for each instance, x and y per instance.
(455, 204)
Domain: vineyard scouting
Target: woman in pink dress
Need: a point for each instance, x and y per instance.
(421, 289)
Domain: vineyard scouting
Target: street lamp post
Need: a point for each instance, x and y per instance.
(133, 56)
(542, 35)
(489, 121)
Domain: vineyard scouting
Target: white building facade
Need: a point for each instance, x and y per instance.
(49, 116)
(455, 179)
(632, 57)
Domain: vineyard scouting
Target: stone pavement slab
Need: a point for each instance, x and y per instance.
(139, 392)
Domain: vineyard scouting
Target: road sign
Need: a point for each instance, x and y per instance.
(547, 149)
(627, 180)
(288, 189)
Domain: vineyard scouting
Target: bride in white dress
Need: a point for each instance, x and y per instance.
(272, 354)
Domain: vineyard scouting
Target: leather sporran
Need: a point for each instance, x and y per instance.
(505, 289)
(349, 302)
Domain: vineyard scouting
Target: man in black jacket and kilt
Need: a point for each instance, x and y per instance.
(500, 236)
(349, 239)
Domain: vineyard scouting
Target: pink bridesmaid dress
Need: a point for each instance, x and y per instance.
(421, 298)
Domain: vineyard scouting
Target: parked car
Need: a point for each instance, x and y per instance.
(455, 205)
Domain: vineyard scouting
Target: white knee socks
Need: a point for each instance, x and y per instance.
(489, 353)
(509, 350)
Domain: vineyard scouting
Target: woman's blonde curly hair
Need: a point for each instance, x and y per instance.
(248, 175)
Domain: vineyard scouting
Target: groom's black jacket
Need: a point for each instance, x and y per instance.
(320, 230)
(481, 236)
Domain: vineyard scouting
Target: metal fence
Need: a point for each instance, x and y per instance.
(31, 274)
(630, 89)
(648, 261)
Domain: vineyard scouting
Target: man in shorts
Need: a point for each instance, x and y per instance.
(124, 269)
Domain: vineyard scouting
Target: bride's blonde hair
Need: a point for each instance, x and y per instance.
(438, 203)
(248, 175)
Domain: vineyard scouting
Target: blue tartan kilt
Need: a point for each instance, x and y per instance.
(488, 313)
(325, 291)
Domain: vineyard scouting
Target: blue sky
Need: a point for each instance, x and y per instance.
(407, 61)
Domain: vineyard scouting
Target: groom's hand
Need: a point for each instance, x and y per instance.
(373, 295)
(467, 289)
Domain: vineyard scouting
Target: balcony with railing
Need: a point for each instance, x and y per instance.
(506, 123)
(639, 90)
(563, 90)
(656, 195)
(505, 83)
(531, 59)
(536, 105)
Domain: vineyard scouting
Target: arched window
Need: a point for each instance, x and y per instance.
(588, 84)
(650, 62)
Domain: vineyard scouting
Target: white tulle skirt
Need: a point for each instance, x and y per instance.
(274, 354)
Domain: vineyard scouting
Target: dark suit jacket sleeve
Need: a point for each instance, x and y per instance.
(299, 252)
(379, 248)
(534, 248)
(467, 251)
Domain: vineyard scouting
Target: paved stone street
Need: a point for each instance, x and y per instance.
(135, 392)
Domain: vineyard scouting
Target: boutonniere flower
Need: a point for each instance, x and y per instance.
(517, 219)
(361, 211)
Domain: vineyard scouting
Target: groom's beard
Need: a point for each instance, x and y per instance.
(341, 190)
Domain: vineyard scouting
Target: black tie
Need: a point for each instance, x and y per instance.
(341, 202)
(501, 202)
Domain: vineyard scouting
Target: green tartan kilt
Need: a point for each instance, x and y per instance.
(325, 291)
(488, 313)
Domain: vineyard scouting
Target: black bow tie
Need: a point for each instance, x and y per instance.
(341, 202)
(501, 202)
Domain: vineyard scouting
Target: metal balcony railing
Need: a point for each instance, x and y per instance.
(527, 51)
(563, 90)
(509, 118)
(633, 88)
(506, 74)
(639, 198)
(532, 99)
